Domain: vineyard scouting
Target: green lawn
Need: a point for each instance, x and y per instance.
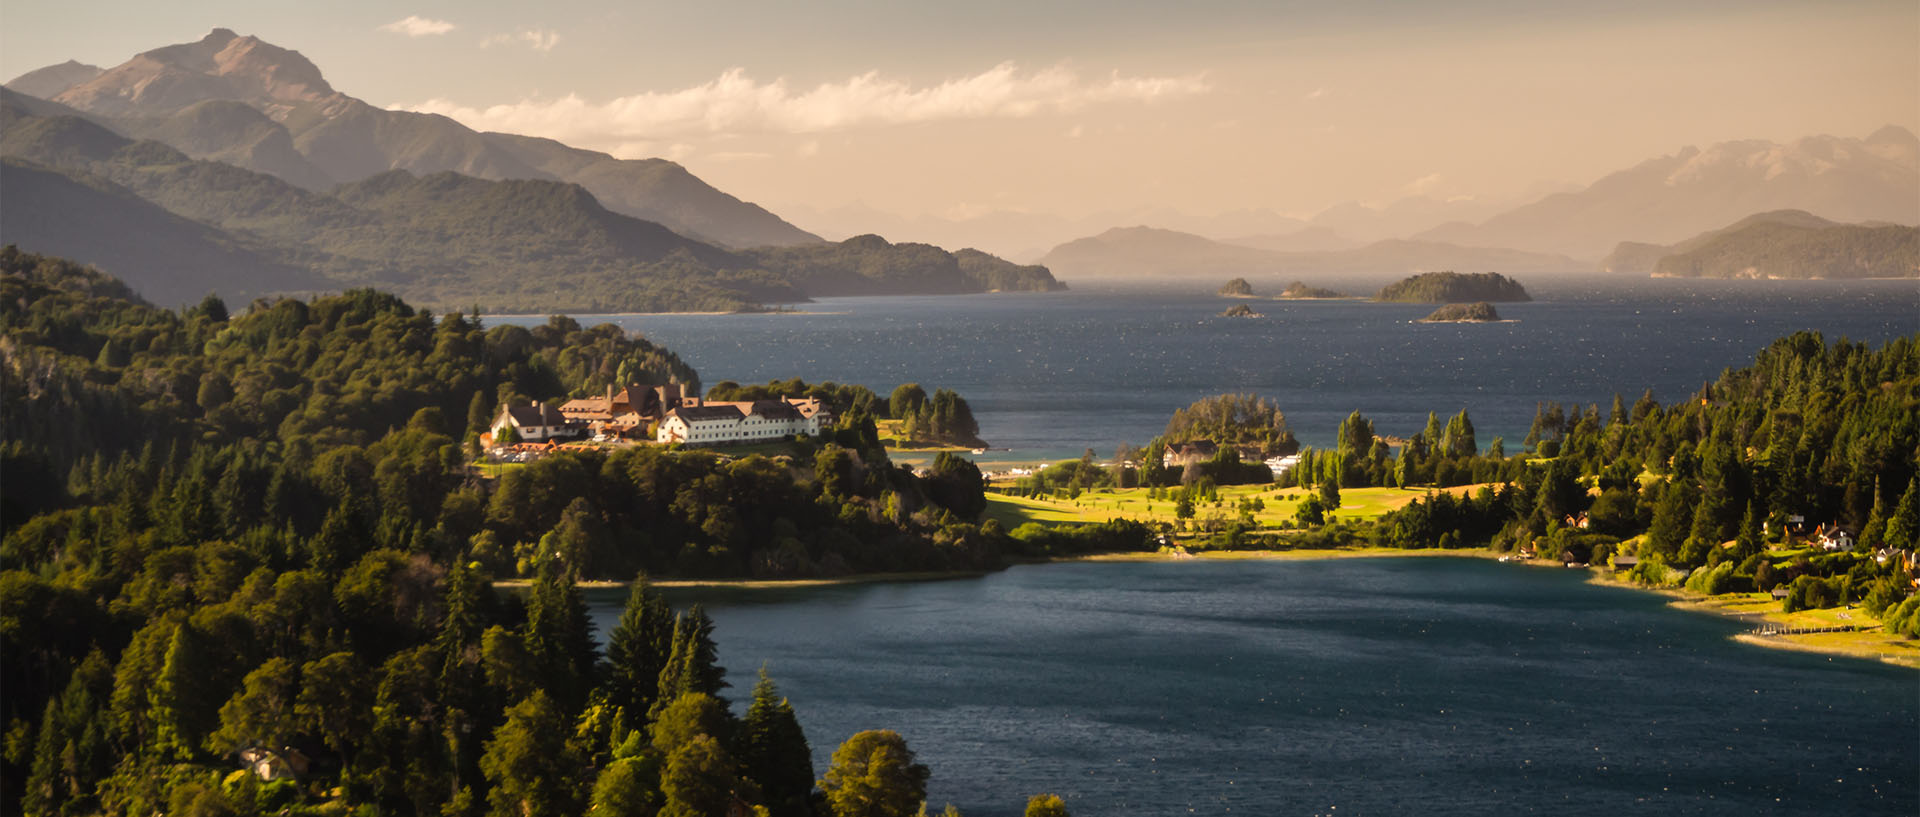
(1132, 503)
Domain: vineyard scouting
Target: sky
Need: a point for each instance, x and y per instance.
(1072, 108)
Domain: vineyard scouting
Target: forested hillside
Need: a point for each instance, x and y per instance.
(177, 228)
(259, 530)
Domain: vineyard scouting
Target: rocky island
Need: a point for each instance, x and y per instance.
(1454, 288)
(1236, 288)
(1299, 289)
(1240, 311)
(1479, 312)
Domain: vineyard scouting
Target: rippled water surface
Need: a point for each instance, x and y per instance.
(1393, 686)
(1051, 374)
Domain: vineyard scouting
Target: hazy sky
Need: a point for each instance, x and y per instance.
(1087, 105)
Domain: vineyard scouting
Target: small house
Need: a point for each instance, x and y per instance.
(534, 423)
(1623, 563)
(1833, 539)
(270, 765)
(1180, 455)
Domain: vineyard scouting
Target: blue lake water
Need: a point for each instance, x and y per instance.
(1394, 686)
(1049, 375)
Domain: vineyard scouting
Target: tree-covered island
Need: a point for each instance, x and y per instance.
(1454, 287)
(1300, 289)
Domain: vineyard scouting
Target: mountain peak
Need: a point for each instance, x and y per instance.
(221, 65)
(51, 80)
(1894, 135)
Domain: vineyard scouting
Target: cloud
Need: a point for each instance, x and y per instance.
(1422, 185)
(1316, 94)
(735, 103)
(413, 25)
(536, 39)
(738, 156)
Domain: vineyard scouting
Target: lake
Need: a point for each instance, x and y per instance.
(1049, 375)
(1395, 686)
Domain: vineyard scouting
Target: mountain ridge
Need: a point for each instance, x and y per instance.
(341, 138)
(1670, 198)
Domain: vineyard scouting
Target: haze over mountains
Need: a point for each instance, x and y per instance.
(1660, 201)
(1146, 252)
(1671, 198)
(270, 180)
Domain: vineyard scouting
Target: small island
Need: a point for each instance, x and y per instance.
(1241, 311)
(1236, 288)
(1479, 312)
(1299, 289)
(1453, 288)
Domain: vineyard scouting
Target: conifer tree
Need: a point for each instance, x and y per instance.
(1903, 527)
(693, 666)
(773, 752)
(559, 635)
(638, 650)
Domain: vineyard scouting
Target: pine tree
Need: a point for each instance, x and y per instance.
(559, 636)
(773, 752)
(1903, 527)
(477, 417)
(693, 666)
(170, 702)
(1873, 535)
(638, 650)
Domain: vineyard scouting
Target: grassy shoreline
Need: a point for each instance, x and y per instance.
(1871, 641)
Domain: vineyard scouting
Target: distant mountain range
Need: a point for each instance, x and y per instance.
(255, 105)
(1140, 252)
(1780, 244)
(1671, 198)
(176, 228)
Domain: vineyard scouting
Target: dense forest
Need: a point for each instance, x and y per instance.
(236, 539)
(1454, 287)
(1722, 491)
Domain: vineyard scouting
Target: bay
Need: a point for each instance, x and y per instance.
(1049, 375)
(1359, 686)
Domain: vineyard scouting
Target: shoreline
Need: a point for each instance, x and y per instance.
(1867, 643)
(1829, 644)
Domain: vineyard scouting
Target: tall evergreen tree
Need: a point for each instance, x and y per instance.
(694, 665)
(1903, 527)
(773, 752)
(638, 650)
(559, 636)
